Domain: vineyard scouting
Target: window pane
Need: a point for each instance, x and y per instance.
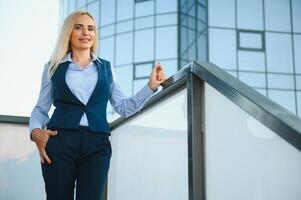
(222, 13)
(202, 47)
(166, 6)
(250, 40)
(143, 70)
(253, 79)
(222, 51)
(144, 8)
(298, 82)
(124, 48)
(107, 12)
(144, 45)
(168, 19)
(277, 15)
(94, 10)
(139, 84)
(107, 31)
(279, 52)
(124, 76)
(125, 26)
(249, 14)
(125, 9)
(299, 103)
(280, 81)
(297, 53)
(296, 7)
(106, 49)
(166, 42)
(81, 3)
(145, 22)
(72, 5)
(284, 98)
(251, 60)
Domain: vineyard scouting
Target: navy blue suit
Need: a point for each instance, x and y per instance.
(79, 154)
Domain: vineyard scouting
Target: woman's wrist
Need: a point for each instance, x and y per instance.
(152, 86)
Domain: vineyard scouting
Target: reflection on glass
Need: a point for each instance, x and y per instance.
(20, 168)
(277, 15)
(124, 48)
(279, 52)
(125, 9)
(284, 98)
(245, 159)
(149, 154)
(144, 8)
(144, 22)
(124, 26)
(296, 13)
(144, 45)
(166, 19)
(250, 14)
(222, 51)
(163, 6)
(107, 12)
(222, 13)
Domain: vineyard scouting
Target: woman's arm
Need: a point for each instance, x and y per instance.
(127, 106)
(39, 115)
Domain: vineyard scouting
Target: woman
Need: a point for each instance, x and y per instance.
(75, 147)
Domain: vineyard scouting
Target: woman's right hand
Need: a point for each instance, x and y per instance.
(41, 136)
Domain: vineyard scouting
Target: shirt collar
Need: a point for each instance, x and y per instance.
(68, 58)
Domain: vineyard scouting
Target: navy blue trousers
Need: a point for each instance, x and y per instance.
(80, 159)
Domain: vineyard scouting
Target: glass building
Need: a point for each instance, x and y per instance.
(256, 41)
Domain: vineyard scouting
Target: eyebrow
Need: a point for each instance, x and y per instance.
(83, 25)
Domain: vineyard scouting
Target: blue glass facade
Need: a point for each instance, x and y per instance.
(256, 41)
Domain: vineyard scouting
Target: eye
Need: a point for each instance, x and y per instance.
(91, 29)
(77, 27)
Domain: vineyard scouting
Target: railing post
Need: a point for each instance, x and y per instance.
(195, 107)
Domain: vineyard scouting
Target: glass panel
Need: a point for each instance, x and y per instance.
(107, 31)
(72, 5)
(251, 60)
(125, 26)
(222, 51)
(251, 40)
(169, 19)
(297, 53)
(243, 158)
(202, 47)
(277, 15)
(124, 48)
(250, 14)
(298, 83)
(143, 70)
(124, 76)
(281, 81)
(144, 45)
(222, 13)
(81, 3)
(163, 6)
(93, 8)
(107, 12)
(125, 9)
(139, 84)
(253, 79)
(144, 8)
(279, 52)
(145, 22)
(284, 98)
(166, 42)
(106, 49)
(21, 175)
(299, 104)
(296, 7)
(202, 14)
(261, 91)
(156, 147)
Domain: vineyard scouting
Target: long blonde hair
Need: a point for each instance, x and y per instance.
(62, 46)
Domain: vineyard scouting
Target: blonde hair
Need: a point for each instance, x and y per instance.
(62, 46)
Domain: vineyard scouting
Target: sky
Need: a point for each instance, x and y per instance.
(28, 34)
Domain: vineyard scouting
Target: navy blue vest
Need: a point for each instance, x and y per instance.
(69, 109)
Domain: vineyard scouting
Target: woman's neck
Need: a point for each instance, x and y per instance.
(82, 58)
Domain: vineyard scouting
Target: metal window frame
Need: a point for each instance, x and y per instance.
(241, 31)
(135, 65)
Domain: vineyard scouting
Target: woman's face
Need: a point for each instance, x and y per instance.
(83, 33)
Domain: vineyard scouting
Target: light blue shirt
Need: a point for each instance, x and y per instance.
(81, 82)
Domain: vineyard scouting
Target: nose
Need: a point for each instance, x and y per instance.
(85, 31)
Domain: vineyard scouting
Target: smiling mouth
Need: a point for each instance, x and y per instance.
(85, 40)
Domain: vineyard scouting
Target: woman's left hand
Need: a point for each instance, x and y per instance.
(157, 77)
